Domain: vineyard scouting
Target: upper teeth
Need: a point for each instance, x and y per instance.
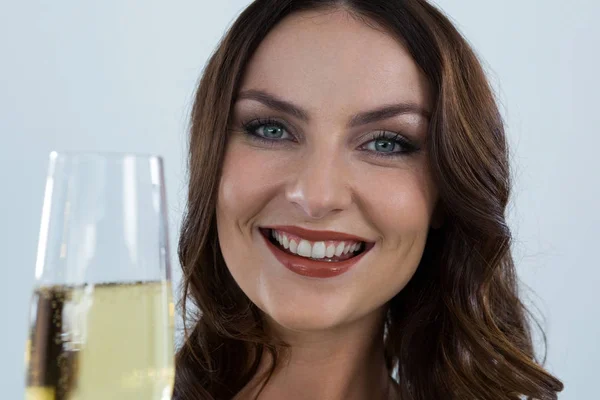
(307, 248)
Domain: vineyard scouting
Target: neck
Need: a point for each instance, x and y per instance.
(345, 362)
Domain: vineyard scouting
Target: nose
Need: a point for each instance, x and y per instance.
(321, 185)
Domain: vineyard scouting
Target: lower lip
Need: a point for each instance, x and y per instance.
(311, 268)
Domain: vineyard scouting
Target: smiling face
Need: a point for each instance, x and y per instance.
(326, 157)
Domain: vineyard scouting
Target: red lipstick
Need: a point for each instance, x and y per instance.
(313, 268)
(315, 236)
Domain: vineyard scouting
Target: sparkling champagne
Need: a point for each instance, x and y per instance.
(99, 342)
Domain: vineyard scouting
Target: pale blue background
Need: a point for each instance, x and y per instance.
(119, 76)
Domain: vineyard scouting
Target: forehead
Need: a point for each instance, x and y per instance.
(320, 58)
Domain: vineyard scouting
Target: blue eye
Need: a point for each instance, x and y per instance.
(272, 131)
(388, 144)
(267, 130)
(383, 145)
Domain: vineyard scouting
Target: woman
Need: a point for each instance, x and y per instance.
(345, 236)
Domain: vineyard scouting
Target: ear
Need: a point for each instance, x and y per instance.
(437, 218)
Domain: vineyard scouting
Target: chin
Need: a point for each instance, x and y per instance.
(289, 315)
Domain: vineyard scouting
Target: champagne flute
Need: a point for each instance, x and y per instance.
(101, 322)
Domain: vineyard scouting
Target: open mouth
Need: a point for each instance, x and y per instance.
(330, 251)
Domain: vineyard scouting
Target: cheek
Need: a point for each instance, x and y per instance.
(248, 181)
(243, 192)
(399, 202)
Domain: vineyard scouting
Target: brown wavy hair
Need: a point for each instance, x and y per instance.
(458, 330)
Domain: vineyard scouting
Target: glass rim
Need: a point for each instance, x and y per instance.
(112, 155)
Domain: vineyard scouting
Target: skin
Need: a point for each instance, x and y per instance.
(322, 174)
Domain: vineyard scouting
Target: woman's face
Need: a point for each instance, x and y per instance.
(327, 150)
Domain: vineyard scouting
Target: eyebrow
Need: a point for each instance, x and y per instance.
(362, 118)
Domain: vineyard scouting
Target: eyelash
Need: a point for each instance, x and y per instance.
(408, 147)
